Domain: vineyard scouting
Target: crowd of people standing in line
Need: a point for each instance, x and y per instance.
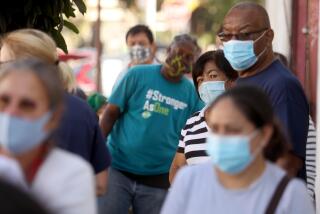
(231, 139)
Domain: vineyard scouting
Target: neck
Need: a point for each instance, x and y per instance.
(164, 72)
(259, 66)
(245, 178)
(132, 63)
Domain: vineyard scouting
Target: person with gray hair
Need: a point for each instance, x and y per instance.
(31, 103)
(78, 131)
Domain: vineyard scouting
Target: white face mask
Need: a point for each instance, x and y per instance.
(210, 90)
(139, 54)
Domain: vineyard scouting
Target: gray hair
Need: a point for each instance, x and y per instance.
(48, 75)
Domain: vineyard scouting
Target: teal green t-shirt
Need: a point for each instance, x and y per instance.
(144, 139)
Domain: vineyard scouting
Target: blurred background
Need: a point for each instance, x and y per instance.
(295, 23)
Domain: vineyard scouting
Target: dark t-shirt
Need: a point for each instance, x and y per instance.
(289, 102)
(79, 133)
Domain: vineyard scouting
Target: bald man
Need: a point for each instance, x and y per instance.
(247, 44)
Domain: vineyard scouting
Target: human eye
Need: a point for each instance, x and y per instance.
(4, 101)
(212, 75)
(224, 36)
(233, 130)
(27, 105)
(244, 36)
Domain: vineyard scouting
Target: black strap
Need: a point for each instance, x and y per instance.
(273, 204)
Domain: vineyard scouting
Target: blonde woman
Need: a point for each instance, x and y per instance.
(31, 99)
(78, 132)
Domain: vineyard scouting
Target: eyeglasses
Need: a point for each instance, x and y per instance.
(240, 36)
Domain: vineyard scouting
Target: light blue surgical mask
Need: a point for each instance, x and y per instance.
(240, 54)
(19, 135)
(210, 90)
(231, 154)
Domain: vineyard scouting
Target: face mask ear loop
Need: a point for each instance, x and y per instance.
(265, 49)
(251, 137)
(4, 123)
(260, 36)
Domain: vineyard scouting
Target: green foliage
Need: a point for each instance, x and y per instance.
(45, 15)
(207, 18)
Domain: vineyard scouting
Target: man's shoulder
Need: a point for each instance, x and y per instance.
(279, 77)
(76, 104)
(78, 110)
(145, 68)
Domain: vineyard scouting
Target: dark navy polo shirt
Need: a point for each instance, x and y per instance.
(79, 133)
(289, 102)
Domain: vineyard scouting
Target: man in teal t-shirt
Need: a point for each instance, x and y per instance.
(143, 119)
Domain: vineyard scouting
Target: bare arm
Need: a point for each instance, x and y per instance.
(101, 182)
(178, 162)
(109, 117)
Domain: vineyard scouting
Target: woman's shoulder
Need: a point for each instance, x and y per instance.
(66, 162)
(195, 172)
(196, 118)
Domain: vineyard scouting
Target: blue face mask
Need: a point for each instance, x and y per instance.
(240, 54)
(231, 154)
(210, 90)
(19, 135)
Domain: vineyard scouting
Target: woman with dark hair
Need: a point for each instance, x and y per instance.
(243, 142)
(212, 74)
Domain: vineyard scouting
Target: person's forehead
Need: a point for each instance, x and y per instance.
(183, 46)
(243, 19)
(141, 36)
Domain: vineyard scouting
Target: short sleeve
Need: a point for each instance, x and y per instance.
(199, 105)
(182, 144)
(311, 158)
(294, 116)
(100, 157)
(123, 90)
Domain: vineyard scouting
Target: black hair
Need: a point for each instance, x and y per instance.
(256, 107)
(16, 201)
(217, 57)
(140, 29)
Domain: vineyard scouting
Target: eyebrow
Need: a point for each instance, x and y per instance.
(210, 70)
(242, 27)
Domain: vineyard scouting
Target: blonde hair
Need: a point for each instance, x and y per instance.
(26, 43)
(68, 79)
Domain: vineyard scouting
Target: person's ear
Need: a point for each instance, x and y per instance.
(153, 49)
(267, 132)
(54, 121)
(229, 84)
(270, 36)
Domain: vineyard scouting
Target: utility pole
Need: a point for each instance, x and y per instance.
(98, 48)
